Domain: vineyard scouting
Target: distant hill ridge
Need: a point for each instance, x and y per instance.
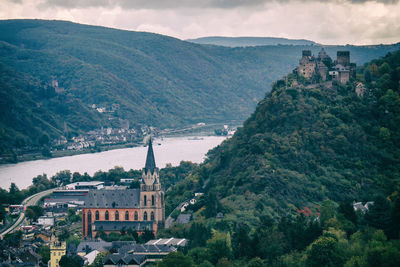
(249, 41)
(52, 72)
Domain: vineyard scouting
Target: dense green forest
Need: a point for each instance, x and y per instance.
(52, 72)
(286, 181)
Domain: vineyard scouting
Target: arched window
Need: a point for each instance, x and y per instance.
(89, 224)
(136, 216)
(97, 215)
(126, 216)
(107, 216)
(152, 216)
(145, 216)
(116, 215)
(152, 200)
(144, 200)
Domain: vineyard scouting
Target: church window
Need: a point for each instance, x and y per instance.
(152, 216)
(107, 216)
(144, 200)
(152, 200)
(145, 216)
(126, 216)
(117, 215)
(97, 215)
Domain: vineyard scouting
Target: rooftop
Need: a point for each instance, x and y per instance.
(129, 198)
(119, 225)
(168, 241)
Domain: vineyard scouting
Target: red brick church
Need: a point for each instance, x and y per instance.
(137, 209)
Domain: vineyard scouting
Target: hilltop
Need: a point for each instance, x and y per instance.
(55, 72)
(305, 144)
(249, 41)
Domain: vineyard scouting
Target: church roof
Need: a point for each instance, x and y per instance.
(117, 199)
(150, 161)
(119, 225)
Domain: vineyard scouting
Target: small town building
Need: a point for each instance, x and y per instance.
(57, 250)
(46, 220)
(137, 209)
(176, 242)
(97, 185)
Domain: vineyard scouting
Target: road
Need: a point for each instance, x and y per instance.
(29, 201)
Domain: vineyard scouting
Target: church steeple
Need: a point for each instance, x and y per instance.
(150, 161)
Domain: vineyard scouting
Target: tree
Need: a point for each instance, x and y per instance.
(71, 261)
(327, 211)
(255, 262)
(211, 205)
(241, 242)
(176, 259)
(146, 236)
(13, 239)
(76, 177)
(33, 212)
(3, 213)
(198, 234)
(98, 261)
(378, 215)
(199, 254)
(324, 252)
(348, 211)
(44, 139)
(62, 177)
(367, 76)
(44, 252)
(395, 220)
(224, 262)
(219, 247)
(15, 195)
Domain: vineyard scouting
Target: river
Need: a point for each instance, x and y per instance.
(168, 150)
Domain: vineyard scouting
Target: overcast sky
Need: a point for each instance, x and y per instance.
(323, 21)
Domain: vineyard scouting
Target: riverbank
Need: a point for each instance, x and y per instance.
(167, 151)
(197, 130)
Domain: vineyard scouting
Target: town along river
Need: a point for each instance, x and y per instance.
(168, 150)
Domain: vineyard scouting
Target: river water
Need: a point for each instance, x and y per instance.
(168, 150)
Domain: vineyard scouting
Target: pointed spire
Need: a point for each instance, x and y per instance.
(150, 162)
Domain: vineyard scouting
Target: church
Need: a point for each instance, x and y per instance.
(137, 209)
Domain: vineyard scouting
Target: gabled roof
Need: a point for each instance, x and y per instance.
(124, 259)
(129, 198)
(87, 246)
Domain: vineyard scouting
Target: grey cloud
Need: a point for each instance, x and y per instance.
(168, 4)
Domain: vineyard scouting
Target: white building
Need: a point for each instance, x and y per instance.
(46, 220)
(85, 185)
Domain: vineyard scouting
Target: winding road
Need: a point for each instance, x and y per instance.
(29, 201)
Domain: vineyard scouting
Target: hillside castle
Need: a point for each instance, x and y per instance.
(117, 210)
(322, 68)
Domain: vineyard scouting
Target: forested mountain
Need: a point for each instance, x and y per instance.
(54, 71)
(280, 192)
(303, 145)
(248, 41)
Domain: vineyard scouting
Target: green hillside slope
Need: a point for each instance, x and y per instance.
(304, 145)
(152, 79)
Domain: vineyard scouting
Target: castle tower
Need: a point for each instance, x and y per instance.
(151, 195)
(343, 58)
